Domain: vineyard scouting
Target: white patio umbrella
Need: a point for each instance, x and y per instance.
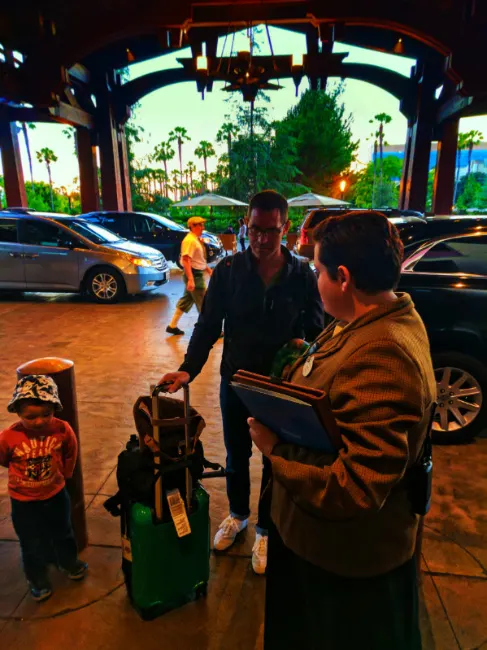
(210, 200)
(311, 200)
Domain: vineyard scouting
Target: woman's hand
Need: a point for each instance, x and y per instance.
(264, 438)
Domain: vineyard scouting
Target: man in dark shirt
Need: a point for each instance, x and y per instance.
(265, 297)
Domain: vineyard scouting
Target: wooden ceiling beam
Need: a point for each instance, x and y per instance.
(62, 112)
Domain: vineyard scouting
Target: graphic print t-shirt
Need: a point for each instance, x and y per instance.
(38, 462)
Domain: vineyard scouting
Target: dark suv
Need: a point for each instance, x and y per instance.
(156, 231)
(305, 243)
(446, 277)
(413, 234)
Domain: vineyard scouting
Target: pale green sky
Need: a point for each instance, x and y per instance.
(181, 105)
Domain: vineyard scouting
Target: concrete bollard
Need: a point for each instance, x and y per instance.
(62, 371)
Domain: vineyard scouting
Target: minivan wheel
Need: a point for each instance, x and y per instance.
(461, 382)
(105, 285)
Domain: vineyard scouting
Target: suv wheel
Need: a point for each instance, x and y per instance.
(461, 413)
(106, 285)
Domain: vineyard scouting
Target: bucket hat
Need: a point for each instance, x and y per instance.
(39, 387)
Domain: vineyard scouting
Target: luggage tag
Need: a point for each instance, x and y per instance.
(178, 512)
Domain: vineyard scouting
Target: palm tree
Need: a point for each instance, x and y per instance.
(462, 144)
(191, 168)
(222, 170)
(205, 150)
(226, 132)
(473, 138)
(163, 152)
(212, 179)
(24, 126)
(175, 182)
(140, 176)
(48, 157)
(160, 177)
(381, 118)
(166, 184)
(179, 135)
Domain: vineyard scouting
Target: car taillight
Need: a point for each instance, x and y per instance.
(303, 239)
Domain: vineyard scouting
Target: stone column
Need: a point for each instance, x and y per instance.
(405, 167)
(12, 166)
(111, 181)
(444, 186)
(124, 169)
(88, 171)
(421, 135)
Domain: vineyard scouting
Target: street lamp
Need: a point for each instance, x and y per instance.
(343, 187)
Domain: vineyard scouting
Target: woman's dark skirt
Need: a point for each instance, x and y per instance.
(308, 608)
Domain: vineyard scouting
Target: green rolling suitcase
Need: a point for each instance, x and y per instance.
(162, 570)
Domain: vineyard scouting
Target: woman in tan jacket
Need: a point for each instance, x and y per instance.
(341, 573)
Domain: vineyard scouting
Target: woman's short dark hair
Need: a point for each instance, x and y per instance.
(269, 200)
(367, 244)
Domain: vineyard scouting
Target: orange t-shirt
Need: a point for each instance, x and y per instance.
(38, 462)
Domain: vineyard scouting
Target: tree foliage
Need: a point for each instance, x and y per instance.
(362, 192)
(39, 198)
(307, 150)
(472, 196)
(322, 137)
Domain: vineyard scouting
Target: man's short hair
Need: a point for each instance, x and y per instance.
(367, 244)
(269, 200)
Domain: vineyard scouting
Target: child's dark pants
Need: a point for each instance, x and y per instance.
(45, 534)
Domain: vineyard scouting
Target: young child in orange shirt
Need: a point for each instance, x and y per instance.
(40, 452)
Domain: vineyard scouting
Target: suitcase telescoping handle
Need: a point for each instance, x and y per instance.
(162, 388)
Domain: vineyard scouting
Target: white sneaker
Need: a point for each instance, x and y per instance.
(259, 554)
(228, 531)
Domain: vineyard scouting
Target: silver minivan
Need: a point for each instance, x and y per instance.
(41, 251)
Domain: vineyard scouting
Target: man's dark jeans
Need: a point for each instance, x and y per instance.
(239, 450)
(45, 534)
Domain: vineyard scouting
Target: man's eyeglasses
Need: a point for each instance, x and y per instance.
(257, 232)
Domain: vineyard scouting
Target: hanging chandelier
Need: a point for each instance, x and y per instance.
(242, 71)
(248, 75)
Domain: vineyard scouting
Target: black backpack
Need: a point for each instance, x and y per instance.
(136, 476)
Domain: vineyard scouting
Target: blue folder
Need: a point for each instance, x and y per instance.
(292, 419)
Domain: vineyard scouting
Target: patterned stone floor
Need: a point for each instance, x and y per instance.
(118, 351)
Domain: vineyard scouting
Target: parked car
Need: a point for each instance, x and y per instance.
(305, 244)
(414, 234)
(447, 279)
(156, 231)
(52, 252)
